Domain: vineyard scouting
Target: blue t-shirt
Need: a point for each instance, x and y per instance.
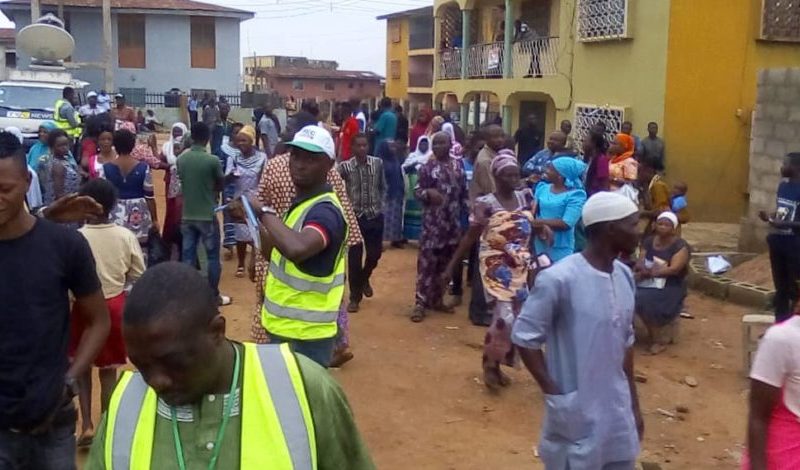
(788, 202)
(386, 127)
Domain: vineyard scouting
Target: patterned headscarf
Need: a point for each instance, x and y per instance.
(504, 159)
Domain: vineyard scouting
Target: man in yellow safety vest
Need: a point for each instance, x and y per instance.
(65, 116)
(201, 400)
(305, 248)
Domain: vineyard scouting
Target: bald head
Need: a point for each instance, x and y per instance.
(557, 141)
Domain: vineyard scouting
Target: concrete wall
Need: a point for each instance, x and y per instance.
(714, 58)
(168, 60)
(315, 89)
(776, 131)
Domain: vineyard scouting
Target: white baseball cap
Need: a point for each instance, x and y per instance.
(607, 207)
(315, 139)
(91, 94)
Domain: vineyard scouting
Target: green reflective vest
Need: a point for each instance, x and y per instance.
(298, 305)
(64, 124)
(277, 428)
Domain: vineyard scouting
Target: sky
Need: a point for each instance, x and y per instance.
(342, 30)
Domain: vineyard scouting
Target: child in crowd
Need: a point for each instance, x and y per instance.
(119, 262)
(679, 202)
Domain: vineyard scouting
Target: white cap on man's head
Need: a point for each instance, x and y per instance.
(607, 207)
(315, 139)
(91, 94)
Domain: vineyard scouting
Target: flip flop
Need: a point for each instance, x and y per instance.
(240, 272)
(85, 440)
(418, 314)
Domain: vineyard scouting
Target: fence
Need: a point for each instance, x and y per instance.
(485, 60)
(139, 98)
(450, 64)
(536, 57)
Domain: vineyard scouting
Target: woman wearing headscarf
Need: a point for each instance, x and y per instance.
(170, 152)
(623, 167)
(40, 148)
(560, 203)
(503, 222)
(395, 193)
(244, 171)
(229, 149)
(662, 270)
(420, 128)
(412, 214)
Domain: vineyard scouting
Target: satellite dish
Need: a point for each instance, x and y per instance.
(46, 41)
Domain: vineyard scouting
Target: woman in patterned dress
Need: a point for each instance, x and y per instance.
(244, 171)
(58, 173)
(503, 222)
(136, 207)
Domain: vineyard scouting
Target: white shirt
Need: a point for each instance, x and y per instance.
(777, 361)
(87, 110)
(104, 103)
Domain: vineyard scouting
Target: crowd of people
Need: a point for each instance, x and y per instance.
(562, 247)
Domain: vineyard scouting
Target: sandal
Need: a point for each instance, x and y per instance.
(418, 314)
(240, 272)
(85, 439)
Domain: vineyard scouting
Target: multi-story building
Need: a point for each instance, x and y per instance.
(301, 78)
(409, 56)
(688, 65)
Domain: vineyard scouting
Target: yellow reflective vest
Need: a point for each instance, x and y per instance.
(298, 305)
(64, 124)
(277, 428)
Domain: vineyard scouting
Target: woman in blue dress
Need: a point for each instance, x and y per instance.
(560, 203)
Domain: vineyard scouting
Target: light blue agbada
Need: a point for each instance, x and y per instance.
(585, 317)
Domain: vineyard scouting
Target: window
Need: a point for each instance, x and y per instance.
(329, 86)
(587, 115)
(204, 42)
(394, 69)
(780, 20)
(599, 20)
(394, 32)
(131, 41)
(297, 85)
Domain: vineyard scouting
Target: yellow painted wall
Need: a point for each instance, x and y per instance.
(397, 88)
(629, 73)
(713, 63)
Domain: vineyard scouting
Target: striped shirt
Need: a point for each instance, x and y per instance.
(366, 185)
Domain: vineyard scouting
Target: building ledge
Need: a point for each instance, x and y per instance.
(418, 89)
(418, 52)
(555, 86)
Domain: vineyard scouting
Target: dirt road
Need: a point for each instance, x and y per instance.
(416, 393)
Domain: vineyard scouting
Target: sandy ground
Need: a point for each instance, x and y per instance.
(419, 402)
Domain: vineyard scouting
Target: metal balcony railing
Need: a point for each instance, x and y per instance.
(535, 58)
(450, 64)
(485, 60)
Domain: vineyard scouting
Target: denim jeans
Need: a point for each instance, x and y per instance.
(318, 350)
(193, 233)
(784, 256)
(53, 450)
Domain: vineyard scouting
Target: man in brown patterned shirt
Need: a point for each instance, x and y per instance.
(277, 190)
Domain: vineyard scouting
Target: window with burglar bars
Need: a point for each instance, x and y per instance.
(587, 115)
(599, 20)
(780, 20)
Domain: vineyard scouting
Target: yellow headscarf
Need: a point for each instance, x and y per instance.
(250, 132)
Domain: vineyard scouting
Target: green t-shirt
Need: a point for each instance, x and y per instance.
(199, 172)
(339, 445)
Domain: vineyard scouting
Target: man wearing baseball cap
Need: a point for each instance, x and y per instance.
(91, 108)
(582, 309)
(121, 112)
(305, 285)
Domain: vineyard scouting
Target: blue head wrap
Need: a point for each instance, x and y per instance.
(572, 170)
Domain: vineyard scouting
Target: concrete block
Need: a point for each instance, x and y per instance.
(794, 114)
(714, 286)
(777, 76)
(763, 78)
(776, 148)
(787, 94)
(778, 112)
(760, 198)
(757, 145)
(786, 131)
(763, 128)
(749, 295)
(794, 76)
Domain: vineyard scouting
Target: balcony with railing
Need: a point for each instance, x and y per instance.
(450, 64)
(535, 58)
(485, 60)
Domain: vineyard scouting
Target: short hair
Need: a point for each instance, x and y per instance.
(124, 141)
(54, 135)
(311, 107)
(68, 91)
(652, 123)
(794, 158)
(627, 123)
(360, 135)
(10, 147)
(201, 134)
(386, 102)
(398, 109)
(97, 124)
(171, 288)
(303, 119)
(102, 191)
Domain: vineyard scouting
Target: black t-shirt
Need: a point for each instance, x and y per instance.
(38, 270)
(529, 141)
(788, 205)
(330, 222)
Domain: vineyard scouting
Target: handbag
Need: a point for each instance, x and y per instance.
(157, 249)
